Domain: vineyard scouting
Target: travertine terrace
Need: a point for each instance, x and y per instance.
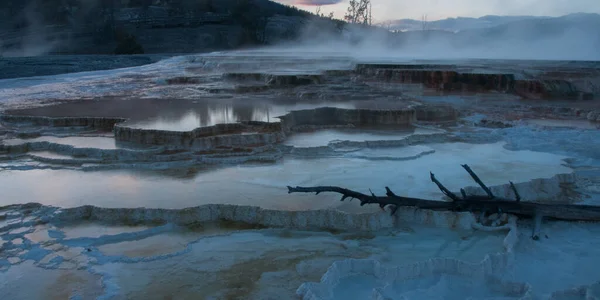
(112, 179)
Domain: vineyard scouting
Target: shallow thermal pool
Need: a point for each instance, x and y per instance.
(580, 124)
(209, 114)
(265, 184)
(324, 137)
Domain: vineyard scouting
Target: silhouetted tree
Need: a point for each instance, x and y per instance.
(359, 12)
(322, 15)
(424, 22)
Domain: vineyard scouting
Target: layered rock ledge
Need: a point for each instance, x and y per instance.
(276, 79)
(203, 138)
(548, 84)
(301, 220)
(248, 133)
(104, 123)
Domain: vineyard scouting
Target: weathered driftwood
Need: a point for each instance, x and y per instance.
(471, 203)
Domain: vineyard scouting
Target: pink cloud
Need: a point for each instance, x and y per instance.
(314, 2)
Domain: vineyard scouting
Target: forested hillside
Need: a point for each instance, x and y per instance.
(134, 26)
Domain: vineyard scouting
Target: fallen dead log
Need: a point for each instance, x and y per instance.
(468, 203)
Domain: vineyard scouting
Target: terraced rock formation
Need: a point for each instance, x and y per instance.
(181, 168)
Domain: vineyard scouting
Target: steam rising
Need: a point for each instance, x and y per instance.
(36, 38)
(572, 37)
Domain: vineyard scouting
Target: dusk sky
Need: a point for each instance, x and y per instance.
(440, 9)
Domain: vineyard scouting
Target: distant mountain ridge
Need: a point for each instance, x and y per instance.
(465, 23)
(569, 37)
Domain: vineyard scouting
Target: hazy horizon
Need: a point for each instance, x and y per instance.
(384, 10)
(554, 40)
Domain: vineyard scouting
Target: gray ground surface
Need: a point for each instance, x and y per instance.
(14, 67)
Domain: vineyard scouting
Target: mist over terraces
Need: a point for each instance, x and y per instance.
(37, 27)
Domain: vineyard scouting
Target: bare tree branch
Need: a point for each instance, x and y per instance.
(359, 12)
(514, 188)
(442, 188)
(471, 203)
(476, 178)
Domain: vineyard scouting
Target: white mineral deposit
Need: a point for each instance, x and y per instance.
(218, 176)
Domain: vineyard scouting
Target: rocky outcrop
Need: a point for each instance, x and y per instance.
(330, 116)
